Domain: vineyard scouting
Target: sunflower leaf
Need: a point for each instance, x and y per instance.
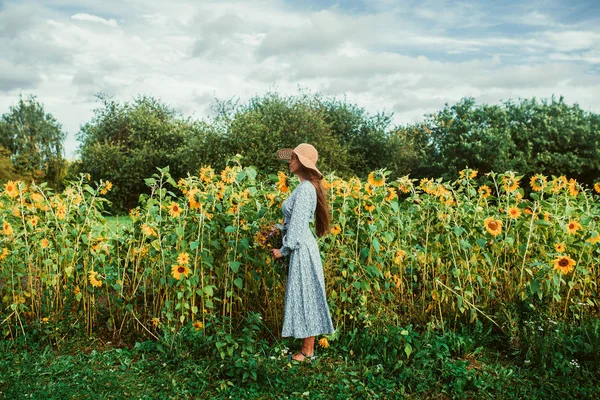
(238, 282)
(235, 266)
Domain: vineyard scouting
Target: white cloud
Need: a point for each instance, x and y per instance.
(94, 18)
(406, 57)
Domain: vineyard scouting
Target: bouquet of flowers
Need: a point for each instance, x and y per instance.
(271, 237)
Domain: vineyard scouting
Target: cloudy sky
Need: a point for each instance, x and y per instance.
(406, 57)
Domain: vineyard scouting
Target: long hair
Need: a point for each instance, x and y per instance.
(322, 215)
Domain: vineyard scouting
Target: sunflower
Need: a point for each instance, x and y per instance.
(514, 212)
(484, 191)
(510, 182)
(399, 256)
(392, 194)
(324, 343)
(404, 184)
(470, 173)
(564, 264)
(595, 238)
(355, 187)
(11, 188)
(34, 221)
(558, 184)
(376, 179)
(597, 187)
(427, 185)
(37, 198)
(174, 210)
(207, 174)
(198, 325)
(234, 209)
(370, 207)
(94, 279)
(146, 230)
(182, 184)
(369, 189)
(493, 226)
(61, 212)
(326, 184)
(45, 243)
(155, 322)
(342, 189)
(538, 182)
(447, 199)
(336, 230)
(222, 189)
(573, 227)
(7, 228)
(560, 247)
(183, 259)
(4, 254)
(271, 198)
(282, 182)
(107, 187)
(178, 270)
(193, 200)
(573, 187)
(228, 175)
(547, 216)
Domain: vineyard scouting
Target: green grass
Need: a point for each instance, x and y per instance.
(118, 222)
(443, 366)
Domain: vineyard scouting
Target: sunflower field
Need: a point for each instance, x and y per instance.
(196, 251)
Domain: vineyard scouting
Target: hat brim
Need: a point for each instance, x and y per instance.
(308, 164)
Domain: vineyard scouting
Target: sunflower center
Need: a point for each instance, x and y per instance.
(563, 262)
(493, 225)
(180, 269)
(571, 226)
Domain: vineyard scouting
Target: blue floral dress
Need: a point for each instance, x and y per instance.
(306, 309)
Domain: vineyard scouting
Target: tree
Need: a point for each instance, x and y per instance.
(35, 141)
(367, 139)
(125, 143)
(547, 137)
(256, 130)
(6, 167)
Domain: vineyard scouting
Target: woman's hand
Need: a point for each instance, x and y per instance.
(276, 253)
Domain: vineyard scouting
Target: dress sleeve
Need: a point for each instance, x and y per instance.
(302, 213)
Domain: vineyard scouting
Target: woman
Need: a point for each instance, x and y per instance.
(306, 310)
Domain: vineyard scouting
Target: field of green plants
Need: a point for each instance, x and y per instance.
(421, 276)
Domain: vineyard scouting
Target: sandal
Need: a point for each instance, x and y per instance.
(307, 359)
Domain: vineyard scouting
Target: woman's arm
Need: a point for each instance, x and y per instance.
(302, 212)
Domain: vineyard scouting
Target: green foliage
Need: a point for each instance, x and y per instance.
(460, 363)
(547, 137)
(256, 130)
(368, 141)
(34, 140)
(7, 171)
(124, 143)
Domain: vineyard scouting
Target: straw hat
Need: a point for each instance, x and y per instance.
(307, 155)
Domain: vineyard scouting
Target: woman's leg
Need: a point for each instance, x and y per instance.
(308, 348)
